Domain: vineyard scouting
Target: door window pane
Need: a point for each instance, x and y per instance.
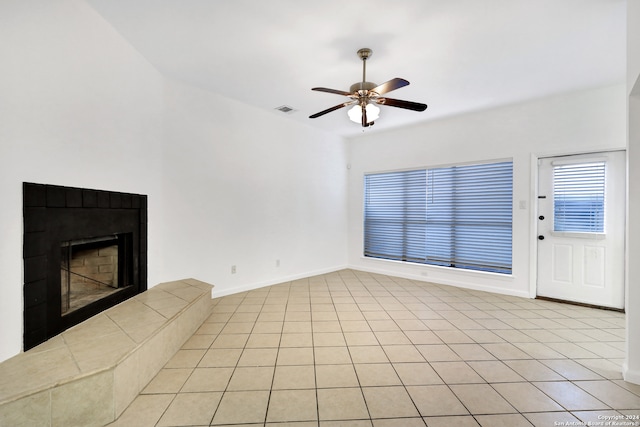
(578, 197)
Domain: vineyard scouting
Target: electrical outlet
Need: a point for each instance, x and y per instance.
(233, 269)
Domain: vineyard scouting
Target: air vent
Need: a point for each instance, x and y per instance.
(285, 109)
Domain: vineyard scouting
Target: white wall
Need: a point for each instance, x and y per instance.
(584, 121)
(247, 187)
(227, 184)
(632, 363)
(78, 107)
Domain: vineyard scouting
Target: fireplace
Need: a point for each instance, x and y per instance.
(84, 251)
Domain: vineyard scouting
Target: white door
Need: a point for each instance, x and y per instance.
(581, 217)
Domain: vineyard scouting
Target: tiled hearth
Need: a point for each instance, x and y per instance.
(89, 374)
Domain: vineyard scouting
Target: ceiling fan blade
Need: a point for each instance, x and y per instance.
(408, 105)
(328, 110)
(336, 91)
(392, 84)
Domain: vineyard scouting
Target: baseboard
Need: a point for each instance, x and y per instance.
(630, 376)
(465, 285)
(275, 281)
(439, 281)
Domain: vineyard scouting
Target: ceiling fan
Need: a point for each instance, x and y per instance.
(365, 95)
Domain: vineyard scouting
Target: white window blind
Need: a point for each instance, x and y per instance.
(395, 215)
(578, 197)
(459, 216)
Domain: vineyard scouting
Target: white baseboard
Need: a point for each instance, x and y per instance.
(417, 277)
(278, 280)
(440, 281)
(630, 376)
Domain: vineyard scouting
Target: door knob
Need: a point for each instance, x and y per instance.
(541, 217)
(541, 237)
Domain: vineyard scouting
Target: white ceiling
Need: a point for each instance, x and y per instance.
(459, 55)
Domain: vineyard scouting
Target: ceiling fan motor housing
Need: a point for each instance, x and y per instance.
(361, 86)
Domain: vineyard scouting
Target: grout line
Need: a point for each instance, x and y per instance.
(237, 362)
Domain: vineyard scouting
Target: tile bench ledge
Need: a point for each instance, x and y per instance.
(90, 373)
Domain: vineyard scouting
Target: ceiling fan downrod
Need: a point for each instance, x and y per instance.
(363, 54)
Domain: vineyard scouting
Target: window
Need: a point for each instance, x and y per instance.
(578, 197)
(460, 216)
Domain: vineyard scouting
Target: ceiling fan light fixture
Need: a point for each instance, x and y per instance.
(355, 113)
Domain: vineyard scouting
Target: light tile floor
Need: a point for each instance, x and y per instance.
(358, 349)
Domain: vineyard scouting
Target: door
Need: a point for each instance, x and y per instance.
(581, 228)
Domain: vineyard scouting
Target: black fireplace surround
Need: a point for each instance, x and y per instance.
(54, 215)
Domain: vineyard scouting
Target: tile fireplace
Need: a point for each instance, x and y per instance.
(84, 251)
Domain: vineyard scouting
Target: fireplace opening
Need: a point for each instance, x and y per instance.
(94, 268)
